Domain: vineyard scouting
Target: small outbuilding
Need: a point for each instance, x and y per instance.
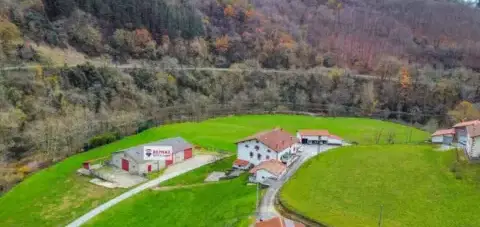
(132, 159)
(443, 136)
(312, 136)
(271, 169)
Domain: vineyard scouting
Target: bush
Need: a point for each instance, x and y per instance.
(101, 140)
(145, 125)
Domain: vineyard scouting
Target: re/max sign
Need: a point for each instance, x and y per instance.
(157, 153)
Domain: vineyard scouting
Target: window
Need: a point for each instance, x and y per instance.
(251, 154)
(268, 150)
(259, 156)
(268, 157)
(257, 147)
(246, 145)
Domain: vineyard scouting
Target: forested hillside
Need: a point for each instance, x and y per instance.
(422, 57)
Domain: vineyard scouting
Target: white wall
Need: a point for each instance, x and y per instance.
(262, 175)
(243, 152)
(178, 157)
(475, 152)
(437, 139)
(334, 141)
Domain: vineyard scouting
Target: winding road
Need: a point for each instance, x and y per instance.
(266, 209)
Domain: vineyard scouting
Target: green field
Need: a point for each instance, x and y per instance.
(415, 185)
(228, 203)
(55, 196)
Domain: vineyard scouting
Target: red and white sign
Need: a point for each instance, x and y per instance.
(157, 153)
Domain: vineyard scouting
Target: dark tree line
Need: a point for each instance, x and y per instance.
(155, 15)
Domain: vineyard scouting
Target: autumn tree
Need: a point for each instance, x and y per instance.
(368, 98)
(464, 111)
(221, 44)
(229, 11)
(8, 33)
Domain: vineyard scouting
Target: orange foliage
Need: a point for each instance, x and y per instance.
(142, 37)
(405, 79)
(221, 43)
(287, 41)
(249, 13)
(229, 11)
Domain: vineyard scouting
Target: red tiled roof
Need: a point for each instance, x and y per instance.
(466, 123)
(312, 132)
(442, 132)
(276, 222)
(273, 166)
(240, 162)
(335, 137)
(276, 139)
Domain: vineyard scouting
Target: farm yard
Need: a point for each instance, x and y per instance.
(56, 196)
(416, 185)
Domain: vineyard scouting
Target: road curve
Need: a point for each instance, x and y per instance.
(266, 209)
(86, 217)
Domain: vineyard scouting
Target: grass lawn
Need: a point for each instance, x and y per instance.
(229, 203)
(55, 196)
(415, 185)
(199, 175)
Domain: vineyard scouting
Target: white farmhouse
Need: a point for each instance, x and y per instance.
(275, 144)
(473, 142)
(461, 134)
(443, 136)
(271, 169)
(132, 159)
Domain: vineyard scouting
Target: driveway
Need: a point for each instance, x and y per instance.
(196, 164)
(194, 161)
(266, 209)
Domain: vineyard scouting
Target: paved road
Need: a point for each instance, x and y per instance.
(266, 208)
(132, 192)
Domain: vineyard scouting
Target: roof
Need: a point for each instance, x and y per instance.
(442, 132)
(276, 139)
(335, 137)
(273, 166)
(311, 132)
(240, 162)
(473, 130)
(178, 145)
(466, 123)
(278, 222)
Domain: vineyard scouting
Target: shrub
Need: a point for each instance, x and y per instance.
(145, 125)
(101, 140)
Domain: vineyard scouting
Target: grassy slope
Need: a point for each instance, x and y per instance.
(199, 175)
(55, 196)
(414, 183)
(224, 204)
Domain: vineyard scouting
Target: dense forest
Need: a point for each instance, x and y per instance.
(423, 58)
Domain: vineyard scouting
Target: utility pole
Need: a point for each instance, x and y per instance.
(380, 218)
(257, 202)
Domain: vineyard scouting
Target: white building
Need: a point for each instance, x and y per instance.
(132, 159)
(271, 169)
(473, 142)
(461, 134)
(309, 136)
(318, 137)
(443, 136)
(275, 144)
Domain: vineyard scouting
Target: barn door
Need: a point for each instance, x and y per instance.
(125, 164)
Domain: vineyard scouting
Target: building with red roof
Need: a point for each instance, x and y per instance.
(318, 136)
(461, 134)
(278, 222)
(271, 169)
(443, 136)
(276, 144)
